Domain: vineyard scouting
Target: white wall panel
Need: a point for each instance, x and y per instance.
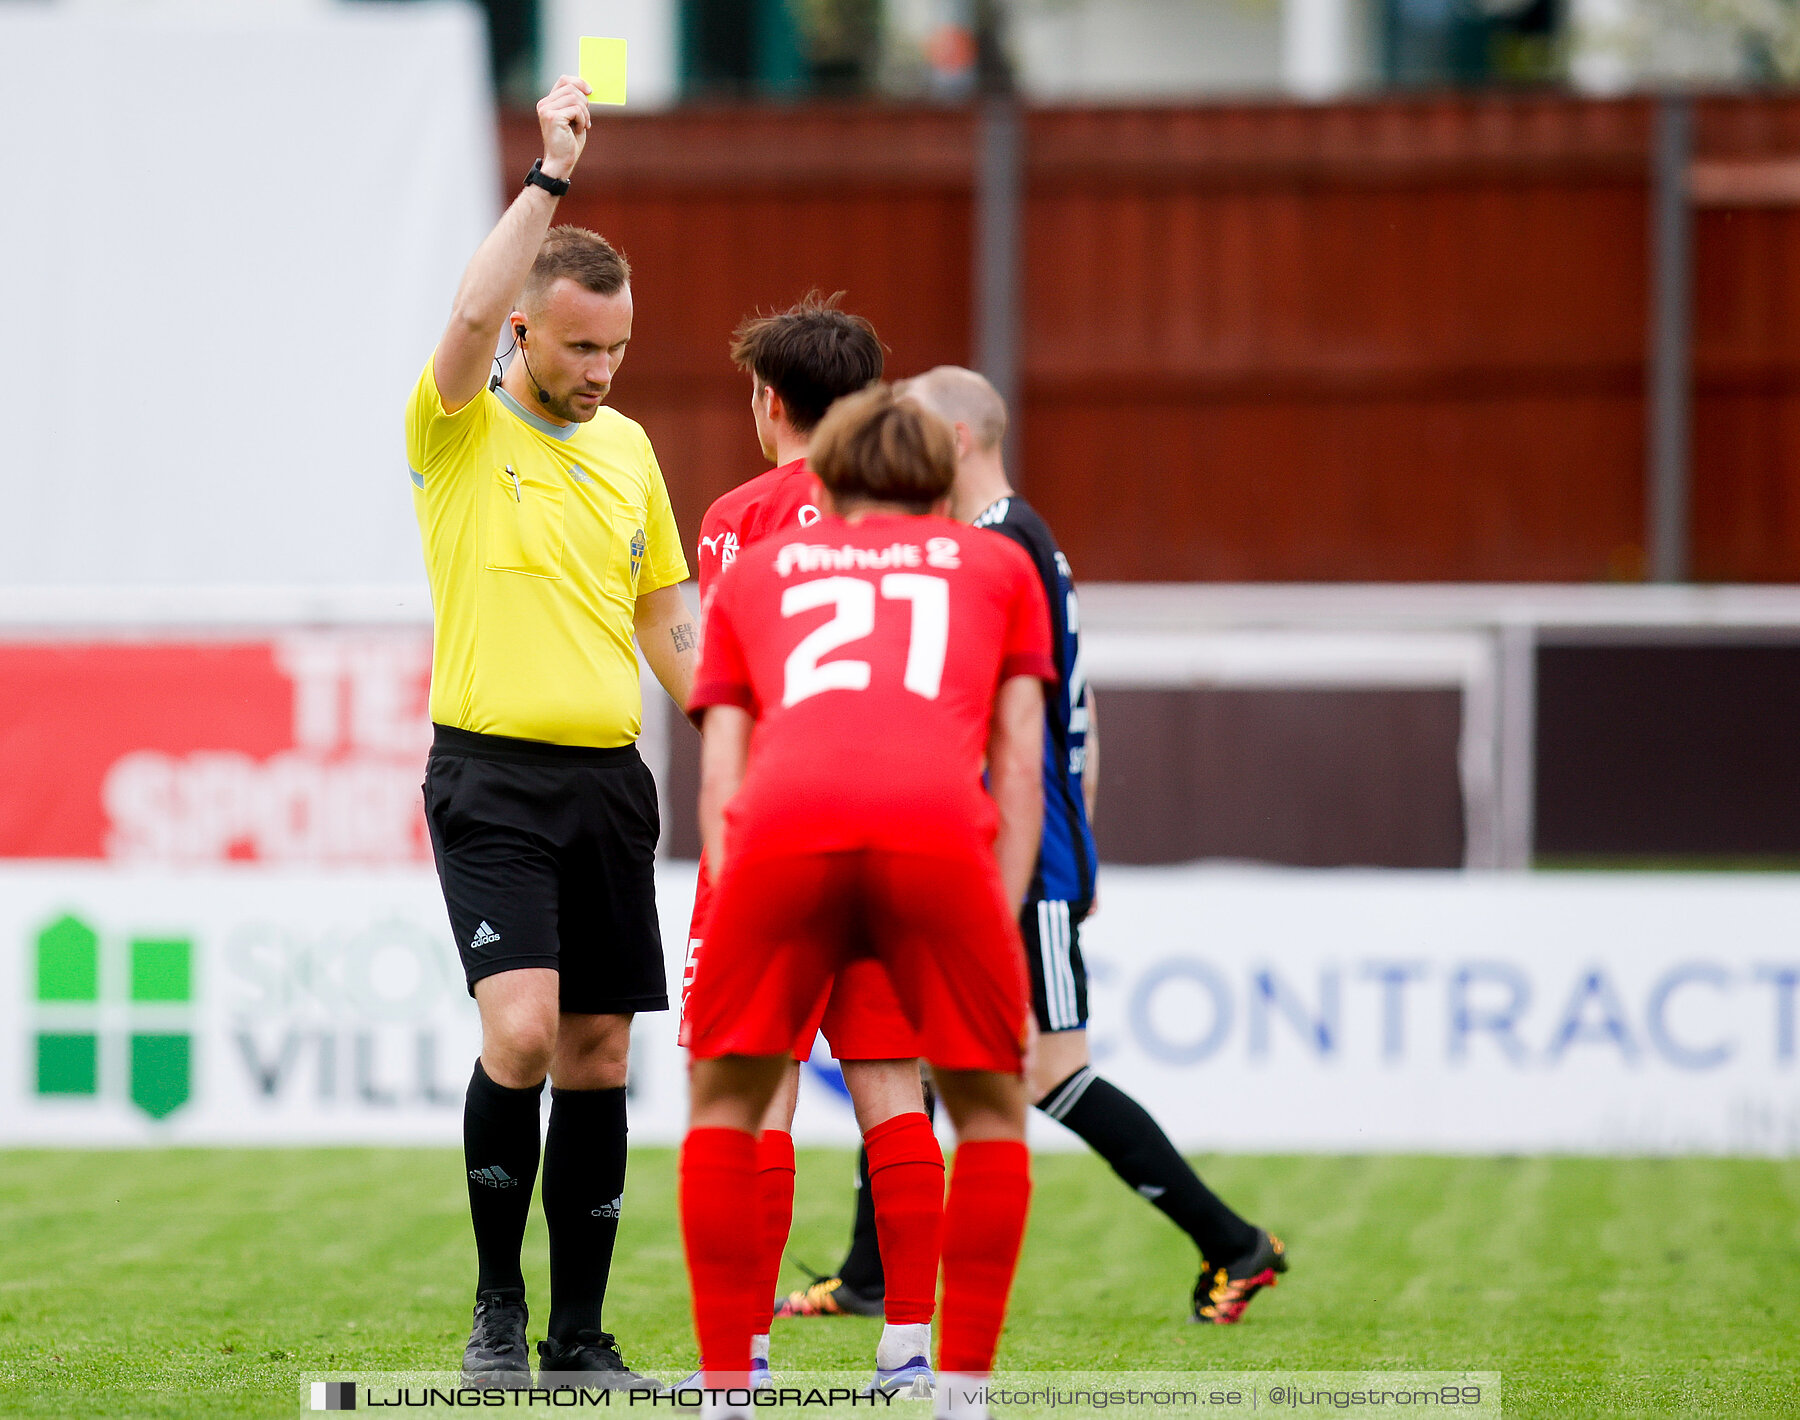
(229, 237)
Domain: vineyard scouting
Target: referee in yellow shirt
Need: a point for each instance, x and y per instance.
(550, 543)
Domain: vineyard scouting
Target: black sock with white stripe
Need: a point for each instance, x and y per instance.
(500, 1151)
(1121, 1131)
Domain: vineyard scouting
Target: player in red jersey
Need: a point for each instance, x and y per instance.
(800, 361)
(854, 680)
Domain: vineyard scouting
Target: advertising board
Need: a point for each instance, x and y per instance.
(1249, 1010)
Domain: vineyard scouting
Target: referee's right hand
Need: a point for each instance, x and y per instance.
(563, 118)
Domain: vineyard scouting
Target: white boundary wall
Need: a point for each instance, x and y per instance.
(1479, 639)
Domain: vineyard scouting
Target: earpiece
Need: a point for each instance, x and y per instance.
(500, 358)
(542, 393)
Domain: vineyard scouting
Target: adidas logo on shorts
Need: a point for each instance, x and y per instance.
(494, 1177)
(484, 936)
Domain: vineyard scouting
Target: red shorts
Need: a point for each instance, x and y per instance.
(783, 927)
(858, 1011)
(862, 1017)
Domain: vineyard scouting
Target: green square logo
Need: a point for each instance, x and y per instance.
(159, 1073)
(68, 961)
(159, 974)
(68, 1064)
(160, 969)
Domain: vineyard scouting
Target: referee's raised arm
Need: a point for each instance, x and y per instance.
(501, 263)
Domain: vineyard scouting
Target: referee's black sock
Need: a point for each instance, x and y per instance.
(584, 1189)
(500, 1151)
(1121, 1131)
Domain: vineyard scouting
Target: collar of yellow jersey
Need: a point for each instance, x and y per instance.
(565, 432)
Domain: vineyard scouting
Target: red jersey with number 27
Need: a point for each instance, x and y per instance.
(870, 654)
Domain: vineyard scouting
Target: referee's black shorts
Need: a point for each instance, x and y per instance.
(547, 858)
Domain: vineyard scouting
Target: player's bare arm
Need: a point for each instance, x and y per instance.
(724, 755)
(670, 640)
(501, 263)
(1015, 779)
(1090, 767)
(1090, 797)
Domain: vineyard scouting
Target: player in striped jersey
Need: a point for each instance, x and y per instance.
(1237, 1258)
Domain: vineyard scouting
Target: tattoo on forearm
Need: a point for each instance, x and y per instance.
(686, 637)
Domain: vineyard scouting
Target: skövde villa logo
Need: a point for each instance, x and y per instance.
(112, 1014)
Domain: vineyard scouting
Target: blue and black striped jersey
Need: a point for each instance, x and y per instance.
(1067, 861)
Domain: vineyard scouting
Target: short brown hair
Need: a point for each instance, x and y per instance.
(811, 354)
(584, 257)
(876, 447)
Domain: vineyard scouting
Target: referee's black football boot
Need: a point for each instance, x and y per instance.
(1222, 1293)
(589, 1360)
(498, 1357)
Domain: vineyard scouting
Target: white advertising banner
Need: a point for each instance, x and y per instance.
(1364, 1011)
(1248, 1010)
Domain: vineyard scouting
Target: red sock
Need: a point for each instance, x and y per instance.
(775, 1180)
(984, 1225)
(906, 1181)
(718, 1171)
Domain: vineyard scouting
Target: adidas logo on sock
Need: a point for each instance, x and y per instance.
(484, 936)
(1151, 1191)
(609, 1210)
(494, 1177)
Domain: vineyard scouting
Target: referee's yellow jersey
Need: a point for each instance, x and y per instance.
(538, 540)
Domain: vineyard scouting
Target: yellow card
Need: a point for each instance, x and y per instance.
(603, 67)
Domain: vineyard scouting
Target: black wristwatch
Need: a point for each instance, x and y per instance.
(537, 177)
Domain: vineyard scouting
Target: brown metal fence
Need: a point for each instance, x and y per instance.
(1746, 452)
(1388, 340)
(723, 214)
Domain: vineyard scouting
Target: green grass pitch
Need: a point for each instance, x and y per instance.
(210, 1282)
